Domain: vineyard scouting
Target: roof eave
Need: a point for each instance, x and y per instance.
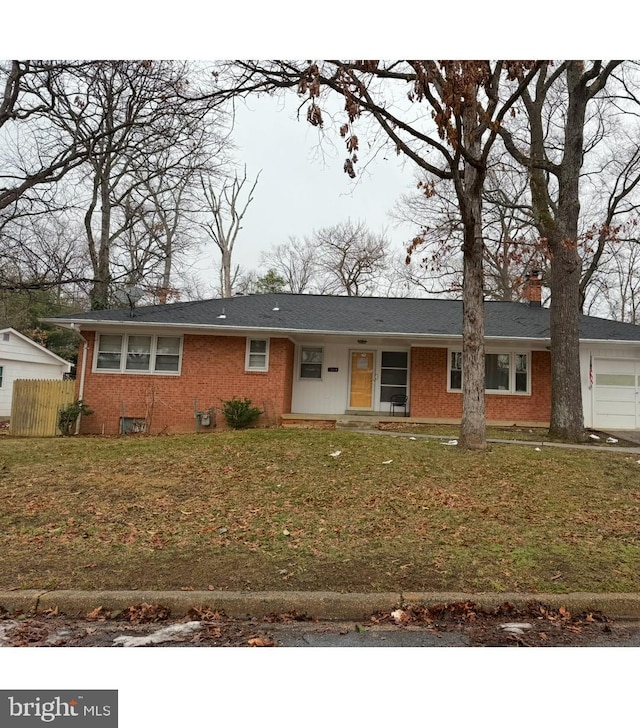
(92, 324)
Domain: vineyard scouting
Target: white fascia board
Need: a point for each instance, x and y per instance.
(611, 342)
(91, 325)
(98, 325)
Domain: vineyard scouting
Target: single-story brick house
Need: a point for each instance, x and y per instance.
(314, 359)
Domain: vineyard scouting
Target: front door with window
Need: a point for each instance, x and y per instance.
(361, 380)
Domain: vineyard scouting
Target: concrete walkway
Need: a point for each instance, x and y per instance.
(628, 435)
(530, 443)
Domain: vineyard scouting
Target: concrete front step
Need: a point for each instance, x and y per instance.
(353, 424)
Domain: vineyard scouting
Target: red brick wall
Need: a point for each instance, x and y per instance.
(212, 371)
(429, 396)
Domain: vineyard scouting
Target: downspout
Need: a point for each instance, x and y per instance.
(83, 371)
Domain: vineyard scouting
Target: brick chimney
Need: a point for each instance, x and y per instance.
(532, 291)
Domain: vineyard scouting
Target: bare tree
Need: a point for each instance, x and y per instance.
(615, 287)
(511, 243)
(349, 257)
(615, 205)
(36, 154)
(295, 262)
(224, 210)
(162, 201)
(467, 102)
(555, 170)
(134, 124)
(41, 252)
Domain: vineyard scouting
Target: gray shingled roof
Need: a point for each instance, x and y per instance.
(343, 314)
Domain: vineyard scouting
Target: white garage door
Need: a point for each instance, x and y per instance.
(616, 394)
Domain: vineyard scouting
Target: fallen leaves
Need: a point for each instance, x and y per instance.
(260, 642)
(507, 521)
(144, 612)
(26, 634)
(527, 626)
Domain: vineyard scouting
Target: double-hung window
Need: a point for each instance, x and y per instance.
(139, 354)
(1, 375)
(257, 357)
(455, 370)
(311, 362)
(109, 352)
(167, 354)
(505, 372)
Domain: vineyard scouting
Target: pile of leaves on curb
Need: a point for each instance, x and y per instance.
(138, 614)
(536, 624)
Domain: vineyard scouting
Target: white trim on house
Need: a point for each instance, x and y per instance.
(490, 350)
(299, 362)
(249, 354)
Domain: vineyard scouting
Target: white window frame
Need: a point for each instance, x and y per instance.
(1, 376)
(248, 353)
(511, 391)
(300, 363)
(124, 348)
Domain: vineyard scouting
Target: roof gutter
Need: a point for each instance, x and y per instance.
(93, 324)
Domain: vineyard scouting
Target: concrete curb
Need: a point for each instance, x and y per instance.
(320, 605)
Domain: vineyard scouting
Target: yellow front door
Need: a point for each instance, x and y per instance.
(361, 384)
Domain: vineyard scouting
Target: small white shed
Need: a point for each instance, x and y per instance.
(22, 358)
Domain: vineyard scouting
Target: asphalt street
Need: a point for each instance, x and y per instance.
(216, 631)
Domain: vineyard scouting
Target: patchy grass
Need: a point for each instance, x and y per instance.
(271, 509)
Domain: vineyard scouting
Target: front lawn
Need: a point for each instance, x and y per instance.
(272, 509)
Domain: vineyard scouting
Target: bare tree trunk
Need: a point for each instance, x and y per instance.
(556, 216)
(473, 425)
(567, 420)
(102, 272)
(473, 433)
(225, 274)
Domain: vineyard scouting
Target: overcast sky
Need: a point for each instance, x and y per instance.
(302, 185)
